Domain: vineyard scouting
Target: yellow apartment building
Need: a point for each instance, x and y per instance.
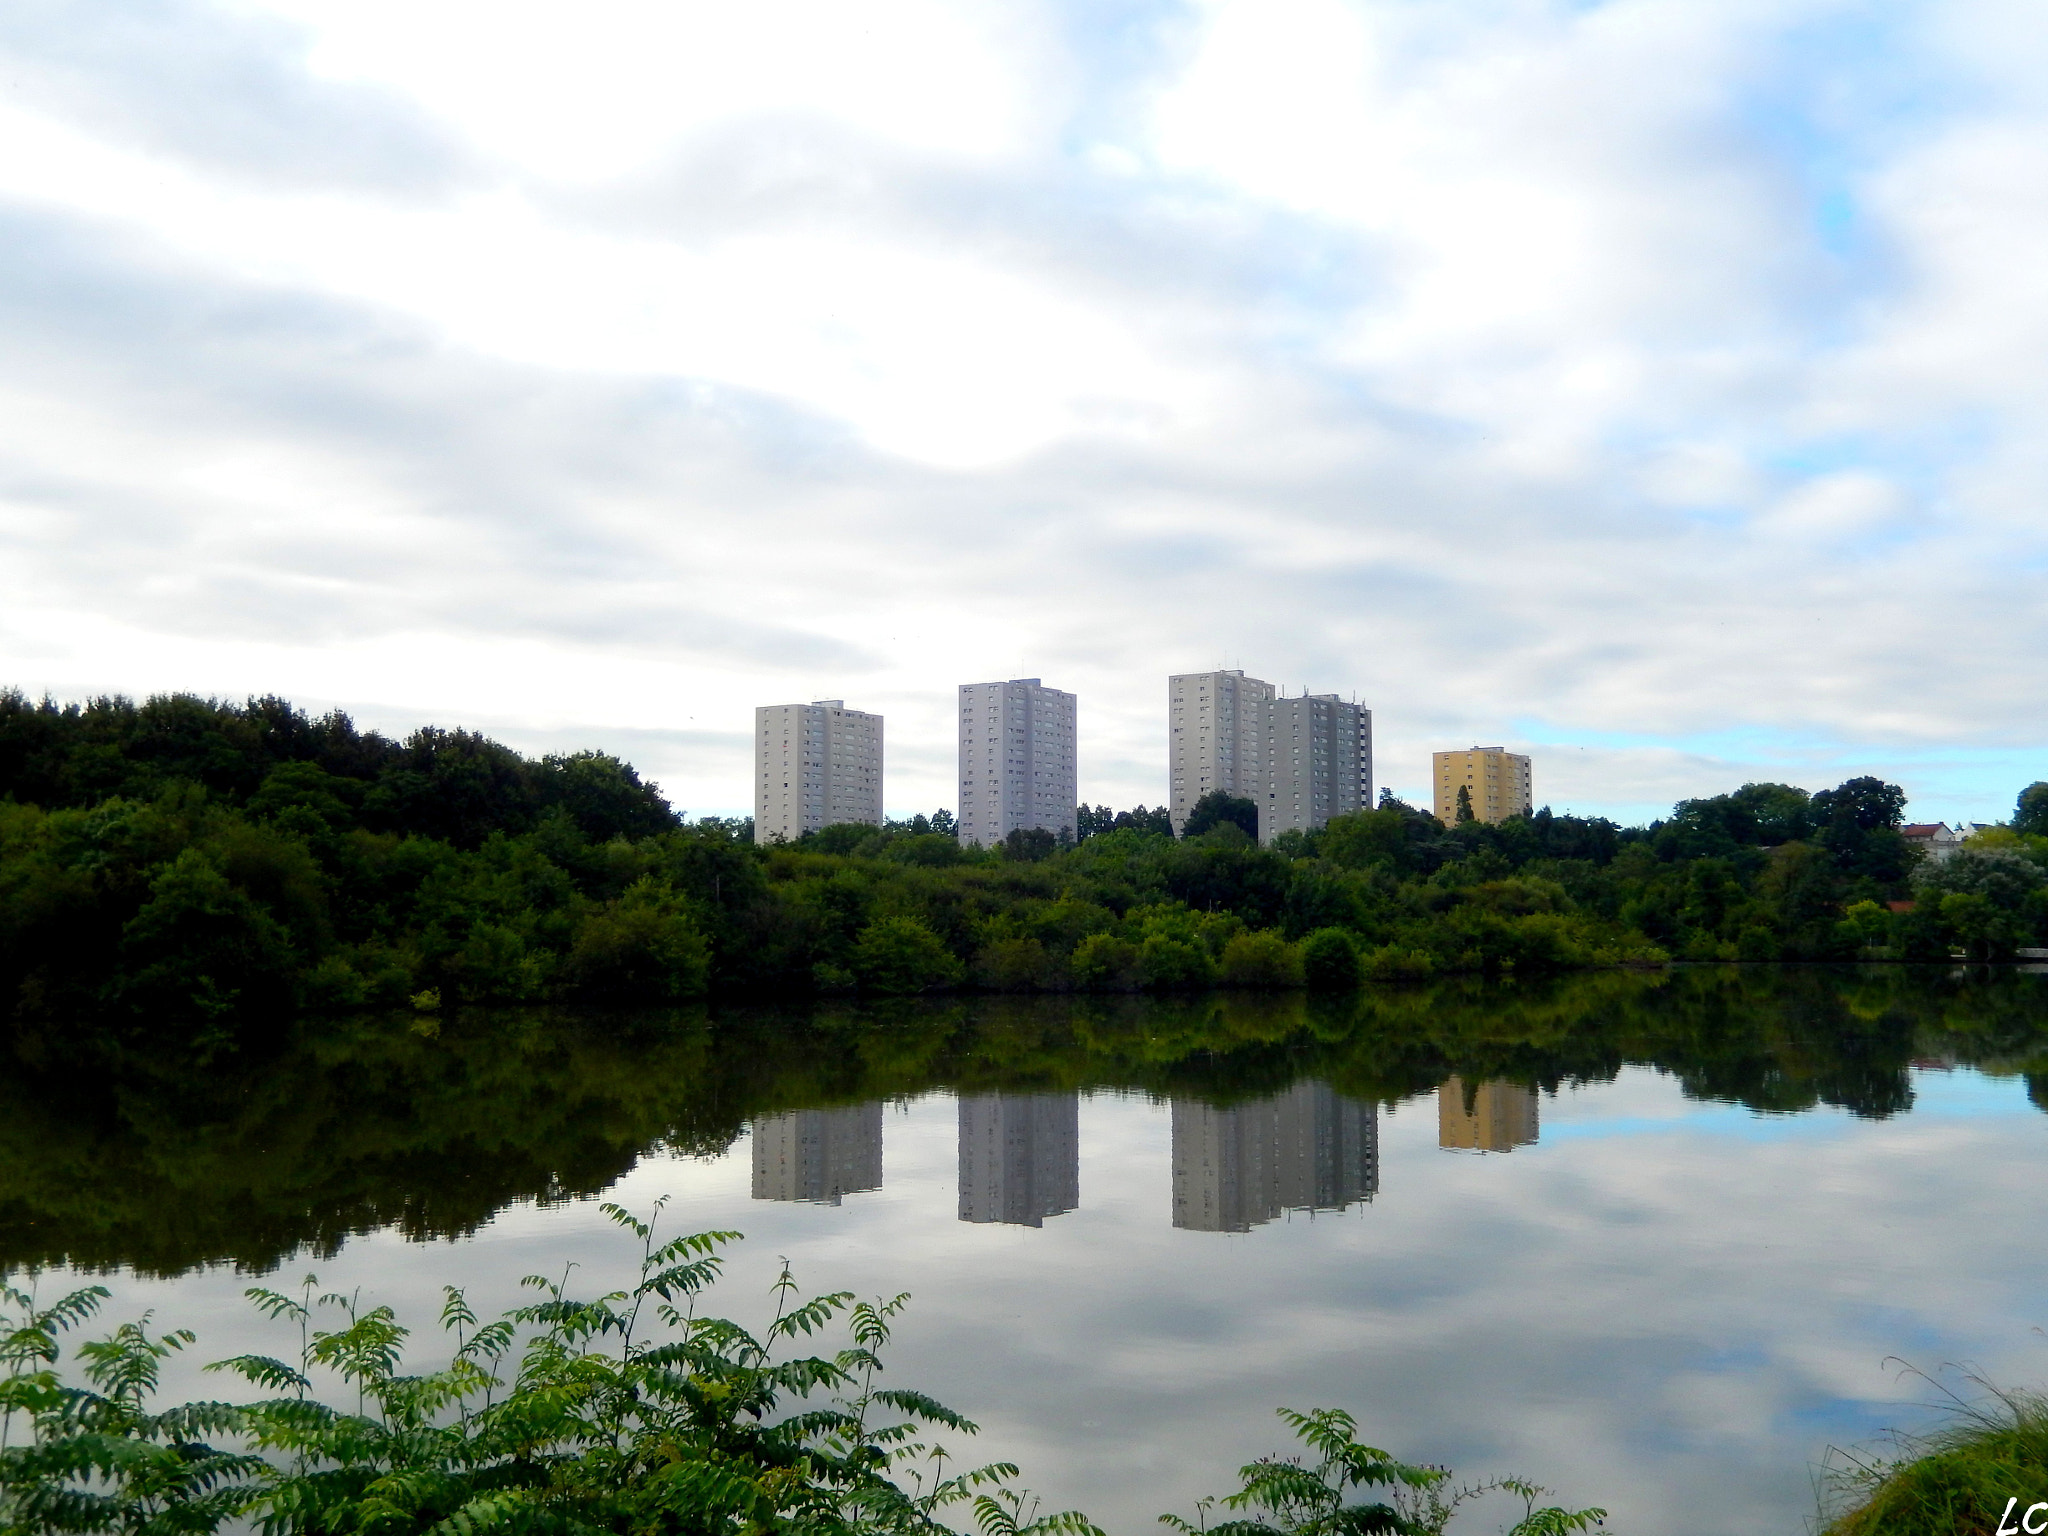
(1499, 782)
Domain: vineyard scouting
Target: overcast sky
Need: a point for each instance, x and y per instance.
(1658, 386)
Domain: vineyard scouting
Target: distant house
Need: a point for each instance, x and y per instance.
(1934, 838)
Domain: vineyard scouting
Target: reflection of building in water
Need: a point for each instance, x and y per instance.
(1493, 1117)
(818, 1154)
(1020, 1156)
(1305, 1149)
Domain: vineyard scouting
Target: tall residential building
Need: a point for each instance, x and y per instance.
(1301, 760)
(815, 765)
(1499, 783)
(1308, 1149)
(1216, 724)
(1020, 1156)
(1017, 760)
(1485, 1117)
(818, 1155)
(1319, 755)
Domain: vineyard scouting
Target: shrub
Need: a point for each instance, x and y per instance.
(1166, 964)
(1263, 959)
(1390, 962)
(897, 955)
(1015, 965)
(645, 947)
(1102, 962)
(1329, 960)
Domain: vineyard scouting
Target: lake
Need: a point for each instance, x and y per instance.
(1656, 1241)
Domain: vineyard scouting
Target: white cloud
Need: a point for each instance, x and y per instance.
(1659, 377)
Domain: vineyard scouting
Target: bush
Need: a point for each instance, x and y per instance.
(1263, 959)
(1015, 965)
(1329, 960)
(644, 947)
(899, 955)
(1167, 964)
(1391, 962)
(1102, 962)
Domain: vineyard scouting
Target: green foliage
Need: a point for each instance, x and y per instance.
(1218, 808)
(198, 872)
(2030, 814)
(1329, 959)
(1985, 1468)
(1311, 1496)
(1263, 959)
(626, 1412)
(900, 954)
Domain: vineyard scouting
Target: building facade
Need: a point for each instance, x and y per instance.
(1319, 763)
(1300, 760)
(815, 765)
(1499, 783)
(1216, 724)
(1017, 760)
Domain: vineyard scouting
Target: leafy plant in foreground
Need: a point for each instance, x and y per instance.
(1288, 1496)
(626, 1413)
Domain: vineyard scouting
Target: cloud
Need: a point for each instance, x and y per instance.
(1626, 377)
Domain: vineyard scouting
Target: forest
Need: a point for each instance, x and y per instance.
(206, 869)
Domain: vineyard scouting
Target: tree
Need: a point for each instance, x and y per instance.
(897, 955)
(1464, 813)
(1030, 845)
(2030, 816)
(943, 823)
(1220, 806)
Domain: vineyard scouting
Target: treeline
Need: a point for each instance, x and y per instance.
(204, 867)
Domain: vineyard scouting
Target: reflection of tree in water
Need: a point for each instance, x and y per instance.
(367, 1125)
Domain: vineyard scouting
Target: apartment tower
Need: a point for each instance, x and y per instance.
(1017, 760)
(815, 765)
(1301, 760)
(1498, 782)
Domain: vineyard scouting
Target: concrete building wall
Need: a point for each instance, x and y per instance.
(1020, 1156)
(818, 1155)
(815, 765)
(1216, 725)
(1018, 760)
(1319, 763)
(1500, 782)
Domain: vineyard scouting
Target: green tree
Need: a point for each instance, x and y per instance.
(644, 947)
(1262, 959)
(1330, 960)
(1219, 807)
(898, 955)
(1464, 812)
(2030, 815)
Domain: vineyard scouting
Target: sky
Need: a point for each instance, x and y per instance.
(1654, 386)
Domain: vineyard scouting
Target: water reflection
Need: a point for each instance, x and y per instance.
(1020, 1156)
(818, 1155)
(1308, 1149)
(1484, 1117)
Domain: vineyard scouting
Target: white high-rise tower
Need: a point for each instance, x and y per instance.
(1017, 760)
(815, 765)
(1301, 760)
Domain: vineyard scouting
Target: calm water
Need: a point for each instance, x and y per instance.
(1648, 1240)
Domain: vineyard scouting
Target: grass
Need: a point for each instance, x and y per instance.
(1960, 1480)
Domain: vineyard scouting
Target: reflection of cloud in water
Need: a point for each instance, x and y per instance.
(1305, 1149)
